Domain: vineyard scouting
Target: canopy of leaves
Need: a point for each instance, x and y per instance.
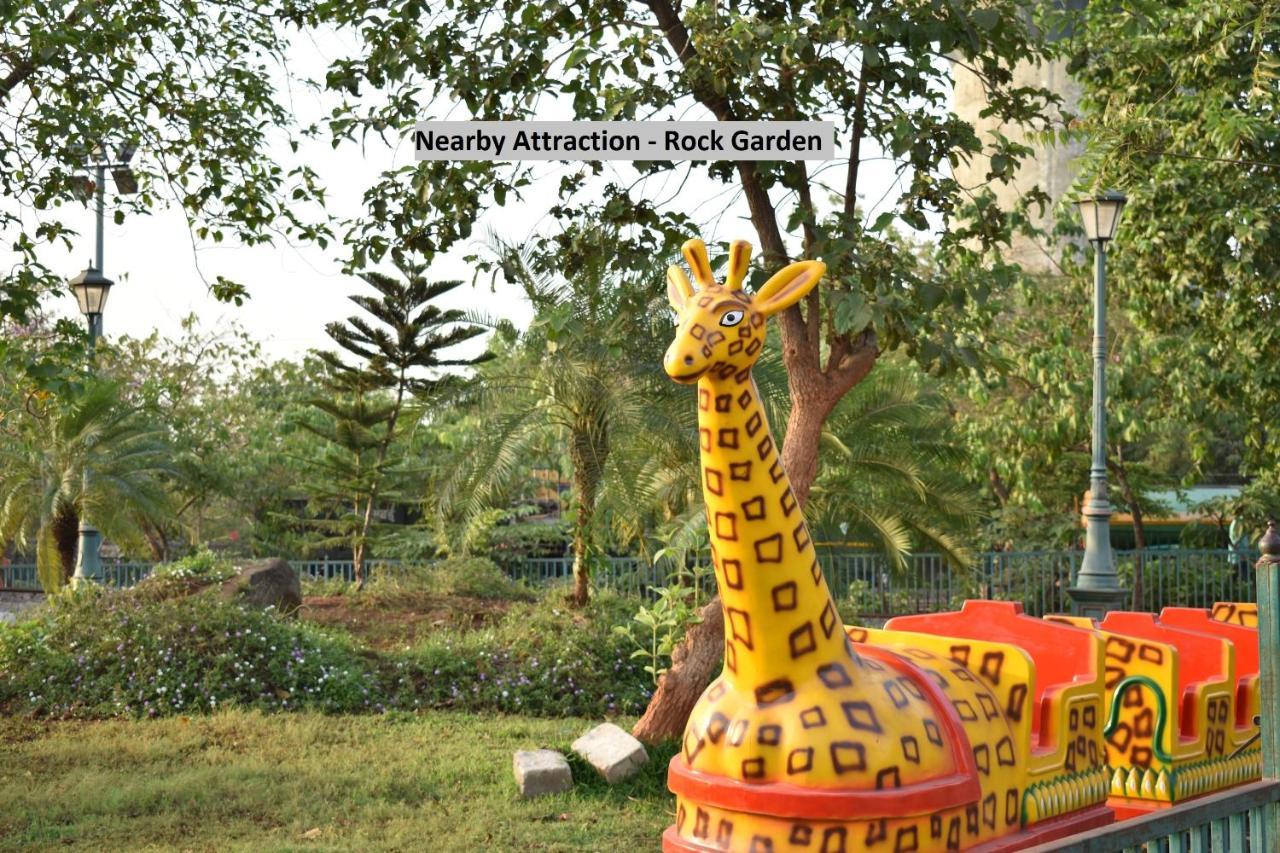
(190, 86)
(880, 72)
(1180, 107)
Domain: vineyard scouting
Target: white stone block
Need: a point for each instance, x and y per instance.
(612, 751)
(542, 771)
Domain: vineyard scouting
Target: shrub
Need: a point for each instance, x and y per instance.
(543, 659)
(656, 630)
(184, 576)
(202, 566)
(476, 577)
(326, 587)
(94, 652)
(509, 545)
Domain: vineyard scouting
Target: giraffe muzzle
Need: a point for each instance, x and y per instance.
(684, 367)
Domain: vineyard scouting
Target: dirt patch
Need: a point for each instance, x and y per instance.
(396, 624)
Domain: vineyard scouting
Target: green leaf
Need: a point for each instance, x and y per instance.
(986, 19)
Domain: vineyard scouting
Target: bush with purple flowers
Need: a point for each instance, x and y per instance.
(92, 652)
(95, 652)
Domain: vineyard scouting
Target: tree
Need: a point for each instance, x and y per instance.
(880, 71)
(1029, 430)
(189, 85)
(401, 354)
(42, 483)
(584, 373)
(1179, 106)
(897, 474)
(192, 382)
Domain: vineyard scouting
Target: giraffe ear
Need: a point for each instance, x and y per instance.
(679, 290)
(787, 286)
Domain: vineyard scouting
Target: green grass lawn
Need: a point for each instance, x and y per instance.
(247, 781)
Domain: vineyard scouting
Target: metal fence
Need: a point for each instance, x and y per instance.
(927, 583)
(22, 576)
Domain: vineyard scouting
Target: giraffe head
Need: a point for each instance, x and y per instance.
(720, 329)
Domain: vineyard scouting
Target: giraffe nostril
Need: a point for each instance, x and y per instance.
(688, 359)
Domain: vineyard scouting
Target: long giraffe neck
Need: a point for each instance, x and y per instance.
(779, 614)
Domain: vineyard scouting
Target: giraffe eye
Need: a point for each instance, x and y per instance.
(731, 318)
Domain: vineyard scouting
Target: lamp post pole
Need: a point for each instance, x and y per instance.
(1097, 589)
(95, 320)
(91, 288)
(88, 562)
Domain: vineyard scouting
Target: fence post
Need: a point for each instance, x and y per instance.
(1268, 576)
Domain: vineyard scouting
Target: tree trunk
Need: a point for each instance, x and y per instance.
(581, 554)
(357, 562)
(588, 449)
(1139, 526)
(65, 525)
(156, 540)
(803, 437)
(1140, 543)
(693, 664)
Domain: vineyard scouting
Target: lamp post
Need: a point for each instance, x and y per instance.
(1097, 590)
(91, 288)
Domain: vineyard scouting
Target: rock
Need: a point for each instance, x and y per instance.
(612, 751)
(541, 771)
(8, 617)
(266, 583)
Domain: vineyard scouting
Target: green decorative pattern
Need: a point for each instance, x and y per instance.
(1187, 781)
(1063, 794)
(1214, 773)
(1162, 712)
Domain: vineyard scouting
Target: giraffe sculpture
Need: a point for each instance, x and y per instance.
(805, 742)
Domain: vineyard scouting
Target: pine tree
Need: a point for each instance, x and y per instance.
(399, 353)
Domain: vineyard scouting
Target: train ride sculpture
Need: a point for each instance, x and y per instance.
(983, 729)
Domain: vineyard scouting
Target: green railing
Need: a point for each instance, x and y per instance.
(928, 583)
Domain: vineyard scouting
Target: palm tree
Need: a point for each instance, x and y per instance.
(893, 473)
(581, 377)
(42, 482)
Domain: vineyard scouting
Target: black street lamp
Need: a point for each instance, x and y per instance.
(1097, 590)
(91, 289)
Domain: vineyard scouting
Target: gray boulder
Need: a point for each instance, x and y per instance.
(266, 583)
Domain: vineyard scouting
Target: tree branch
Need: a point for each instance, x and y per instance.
(855, 151)
(763, 216)
(21, 70)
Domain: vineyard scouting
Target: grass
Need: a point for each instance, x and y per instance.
(246, 781)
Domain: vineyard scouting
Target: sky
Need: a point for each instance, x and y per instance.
(161, 272)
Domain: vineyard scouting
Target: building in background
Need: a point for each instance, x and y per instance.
(1052, 167)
